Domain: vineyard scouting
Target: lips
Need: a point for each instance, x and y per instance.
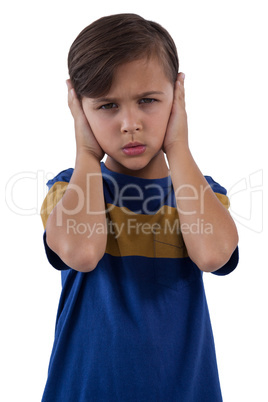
(134, 148)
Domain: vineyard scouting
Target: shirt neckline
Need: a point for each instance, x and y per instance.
(123, 178)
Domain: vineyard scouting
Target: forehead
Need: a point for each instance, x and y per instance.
(142, 75)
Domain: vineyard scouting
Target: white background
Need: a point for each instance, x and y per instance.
(222, 47)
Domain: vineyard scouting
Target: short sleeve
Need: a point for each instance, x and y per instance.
(221, 194)
(57, 187)
(219, 191)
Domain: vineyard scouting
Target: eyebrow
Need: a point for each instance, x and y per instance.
(138, 96)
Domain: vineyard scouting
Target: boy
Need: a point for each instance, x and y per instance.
(133, 236)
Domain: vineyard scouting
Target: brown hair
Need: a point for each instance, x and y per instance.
(111, 41)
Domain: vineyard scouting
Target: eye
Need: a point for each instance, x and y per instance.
(108, 106)
(148, 100)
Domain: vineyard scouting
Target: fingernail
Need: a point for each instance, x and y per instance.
(183, 76)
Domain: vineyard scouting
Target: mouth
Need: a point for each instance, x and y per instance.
(134, 148)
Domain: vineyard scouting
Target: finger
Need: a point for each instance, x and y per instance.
(73, 101)
(179, 93)
(69, 83)
(181, 77)
(71, 92)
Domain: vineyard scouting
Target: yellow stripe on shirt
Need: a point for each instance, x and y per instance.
(156, 236)
(53, 197)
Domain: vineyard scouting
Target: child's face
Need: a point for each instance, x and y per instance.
(136, 110)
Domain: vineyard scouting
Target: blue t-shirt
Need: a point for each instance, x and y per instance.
(137, 327)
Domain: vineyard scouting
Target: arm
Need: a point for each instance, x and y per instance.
(82, 203)
(195, 199)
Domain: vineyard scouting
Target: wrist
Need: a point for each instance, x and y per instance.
(84, 157)
(178, 150)
(86, 153)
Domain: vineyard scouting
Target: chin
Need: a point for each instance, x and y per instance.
(134, 166)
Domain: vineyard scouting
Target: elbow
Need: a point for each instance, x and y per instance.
(80, 257)
(83, 257)
(84, 262)
(212, 263)
(217, 258)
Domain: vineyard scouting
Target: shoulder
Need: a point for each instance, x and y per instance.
(57, 187)
(63, 176)
(216, 187)
(219, 191)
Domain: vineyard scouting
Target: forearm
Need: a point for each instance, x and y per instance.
(208, 230)
(76, 228)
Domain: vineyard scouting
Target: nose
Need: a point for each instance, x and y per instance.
(130, 122)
